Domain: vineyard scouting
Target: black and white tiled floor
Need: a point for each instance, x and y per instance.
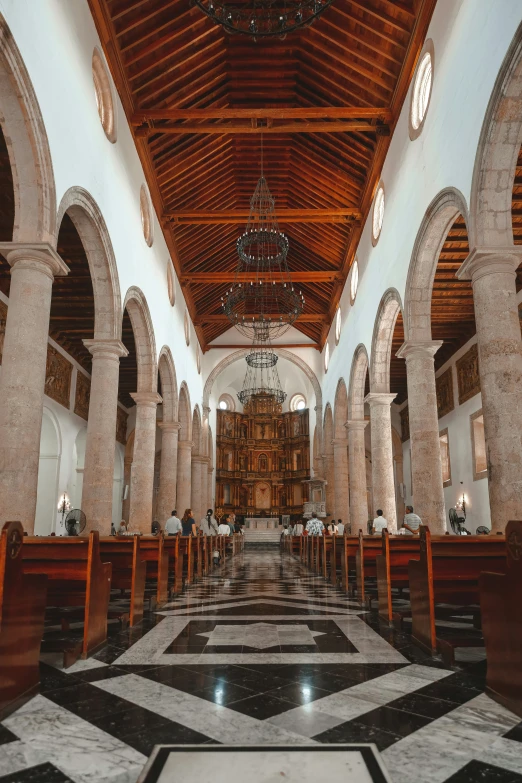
(261, 653)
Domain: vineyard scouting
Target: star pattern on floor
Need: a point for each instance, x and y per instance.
(261, 635)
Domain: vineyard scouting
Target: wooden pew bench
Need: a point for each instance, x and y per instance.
(129, 570)
(76, 577)
(448, 572)
(186, 550)
(501, 607)
(366, 565)
(156, 555)
(22, 611)
(392, 573)
(175, 567)
(348, 547)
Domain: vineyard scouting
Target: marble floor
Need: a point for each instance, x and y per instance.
(261, 653)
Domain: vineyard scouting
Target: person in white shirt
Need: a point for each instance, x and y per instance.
(298, 529)
(340, 527)
(224, 529)
(173, 525)
(412, 522)
(379, 523)
(209, 525)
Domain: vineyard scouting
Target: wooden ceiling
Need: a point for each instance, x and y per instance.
(326, 98)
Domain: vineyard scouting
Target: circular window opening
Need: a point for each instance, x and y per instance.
(421, 90)
(171, 287)
(186, 327)
(146, 215)
(226, 403)
(378, 214)
(103, 96)
(326, 356)
(354, 281)
(338, 324)
(198, 358)
(298, 402)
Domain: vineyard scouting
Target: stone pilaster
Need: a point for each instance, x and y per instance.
(22, 380)
(183, 491)
(426, 466)
(492, 272)
(342, 501)
(98, 475)
(168, 469)
(382, 456)
(142, 471)
(357, 474)
(210, 483)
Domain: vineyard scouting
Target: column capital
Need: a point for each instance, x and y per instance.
(110, 349)
(340, 442)
(356, 425)
(37, 255)
(483, 261)
(426, 348)
(185, 444)
(147, 399)
(169, 426)
(380, 398)
(201, 459)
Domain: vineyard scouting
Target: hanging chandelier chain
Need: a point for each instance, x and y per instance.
(263, 18)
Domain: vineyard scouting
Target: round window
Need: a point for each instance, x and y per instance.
(146, 215)
(378, 214)
(421, 90)
(186, 327)
(223, 405)
(298, 402)
(338, 324)
(103, 96)
(226, 403)
(171, 287)
(198, 358)
(354, 281)
(326, 357)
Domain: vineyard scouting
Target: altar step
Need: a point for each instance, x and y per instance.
(253, 536)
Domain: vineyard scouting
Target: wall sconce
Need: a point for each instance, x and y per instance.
(461, 503)
(64, 505)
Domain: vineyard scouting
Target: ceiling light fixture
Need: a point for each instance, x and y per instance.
(263, 18)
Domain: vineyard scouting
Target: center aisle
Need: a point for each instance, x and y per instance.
(262, 652)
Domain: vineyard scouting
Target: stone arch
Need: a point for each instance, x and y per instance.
(184, 413)
(340, 409)
(499, 144)
(389, 308)
(92, 229)
(360, 365)
(196, 432)
(28, 147)
(437, 221)
(139, 314)
(328, 457)
(169, 385)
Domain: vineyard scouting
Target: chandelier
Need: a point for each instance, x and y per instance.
(262, 378)
(262, 294)
(263, 18)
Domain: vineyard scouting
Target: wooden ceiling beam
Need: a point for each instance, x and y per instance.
(222, 319)
(229, 277)
(300, 126)
(232, 216)
(308, 113)
(315, 346)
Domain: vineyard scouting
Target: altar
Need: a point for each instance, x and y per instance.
(262, 523)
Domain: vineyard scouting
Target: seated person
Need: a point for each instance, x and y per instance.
(412, 522)
(379, 523)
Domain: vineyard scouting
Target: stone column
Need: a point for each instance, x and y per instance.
(22, 379)
(196, 487)
(330, 483)
(382, 456)
(357, 473)
(168, 469)
(183, 495)
(142, 471)
(493, 272)
(127, 469)
(342, 502)
(100, 448)
(426, 465)
(210, 479)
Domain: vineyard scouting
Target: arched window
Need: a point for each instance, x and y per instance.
(338, 324)
(226, 403)
(378, 214)
(326, 356)
(146, 215)
(103, 96)
(171, 287)
(186, 326)
(354, 281)
(298, 402)
(421, 90)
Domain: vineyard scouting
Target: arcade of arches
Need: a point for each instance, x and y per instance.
(126, 167)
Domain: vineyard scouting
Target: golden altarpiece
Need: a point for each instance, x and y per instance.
(263, 460)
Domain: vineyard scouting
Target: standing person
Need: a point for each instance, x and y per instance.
(314, 526)
(340, 527)
(173, 524)
(208, 524)
(224, 527)
(298, 528)
(412, 522)
(379, 523)
(231, 523)
(237, 527)
(122, 530)
(188, 524)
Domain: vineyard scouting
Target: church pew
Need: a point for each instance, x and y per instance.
(365, 562)
(129, 570)
(197, 546)
(392, 571)
(349, 547)
(187, 556)
(154, 552)
(175, 567)
(327, 553)
(76, 577)
(448, 572)
(22, 611)
(501, 611)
